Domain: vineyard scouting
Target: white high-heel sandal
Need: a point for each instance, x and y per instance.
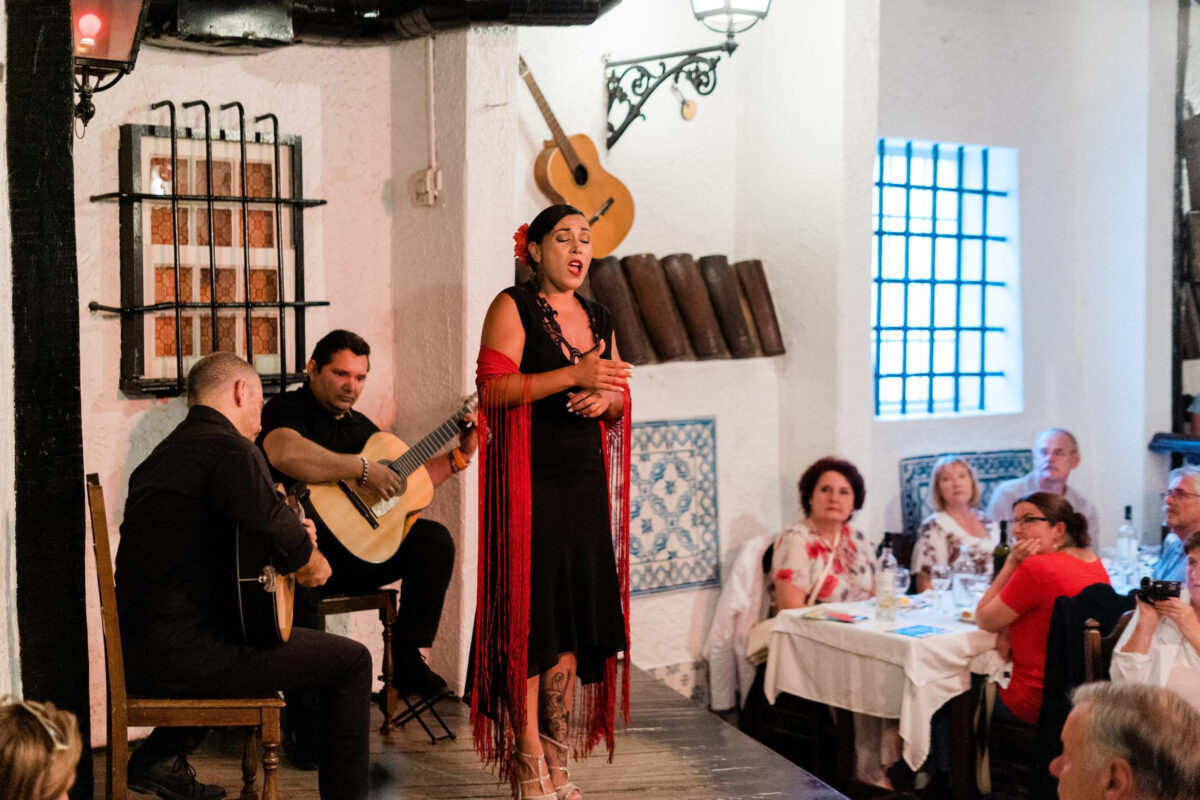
(565, 791)
(538, 762)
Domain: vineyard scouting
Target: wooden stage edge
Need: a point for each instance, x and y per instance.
(672, 749)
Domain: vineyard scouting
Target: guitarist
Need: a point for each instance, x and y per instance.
(313, 434)
(177, 600)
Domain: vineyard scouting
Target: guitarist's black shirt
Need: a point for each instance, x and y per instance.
(176, 574)
(300, 411)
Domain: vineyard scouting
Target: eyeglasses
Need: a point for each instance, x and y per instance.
(1176, 494)
(57, 737)
(1027, 520)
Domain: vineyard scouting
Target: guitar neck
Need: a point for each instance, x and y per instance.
(560, 138)
(425, 449)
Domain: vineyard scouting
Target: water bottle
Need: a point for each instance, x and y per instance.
(885, 583)
(1127, 543)
(1000, 554)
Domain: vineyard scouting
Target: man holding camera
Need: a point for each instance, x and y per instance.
(1161, 644)
(1181, 507)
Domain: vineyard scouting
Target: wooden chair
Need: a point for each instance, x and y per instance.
(1098, 649)
(124, 712)
(384, 601)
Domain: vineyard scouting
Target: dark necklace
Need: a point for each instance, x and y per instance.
(552, 328)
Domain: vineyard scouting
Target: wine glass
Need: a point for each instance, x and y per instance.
(901, 581)
(939, 578)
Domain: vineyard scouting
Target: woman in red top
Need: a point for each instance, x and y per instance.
(1050, 559)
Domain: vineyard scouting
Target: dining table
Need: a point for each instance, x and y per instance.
(839, 654)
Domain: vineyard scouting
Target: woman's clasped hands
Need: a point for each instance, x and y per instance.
(596, 376)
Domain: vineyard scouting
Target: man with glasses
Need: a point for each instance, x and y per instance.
(1055, 455)
(1181, 509)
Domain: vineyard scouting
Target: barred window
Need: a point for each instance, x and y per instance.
(945, 301)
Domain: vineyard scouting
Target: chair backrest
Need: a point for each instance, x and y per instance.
(118, 720)
(991, 467)
(1098, 649)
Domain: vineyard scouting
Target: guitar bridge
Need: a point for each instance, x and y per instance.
(603, 210)
(358, 504)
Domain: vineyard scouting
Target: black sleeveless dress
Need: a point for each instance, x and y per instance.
(574, 598)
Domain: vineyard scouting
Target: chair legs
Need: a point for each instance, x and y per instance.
(387, 695)
(270, 758)
(116, 779)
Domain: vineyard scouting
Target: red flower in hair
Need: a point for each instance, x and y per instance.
(521, 246)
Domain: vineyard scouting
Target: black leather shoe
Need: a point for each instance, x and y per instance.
(172, 779)
(302, 752)
(413, 675)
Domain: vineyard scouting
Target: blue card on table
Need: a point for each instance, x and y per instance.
(921, 631)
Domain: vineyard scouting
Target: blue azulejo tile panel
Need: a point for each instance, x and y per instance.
(991, 468)
(673, 506)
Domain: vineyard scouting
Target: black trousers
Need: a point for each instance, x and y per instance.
(424, 562)
(333, 668)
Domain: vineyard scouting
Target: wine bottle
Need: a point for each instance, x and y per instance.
(885, 583)
(1000, 554)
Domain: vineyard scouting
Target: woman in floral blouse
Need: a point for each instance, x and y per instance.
(959, 522)
(820, 558)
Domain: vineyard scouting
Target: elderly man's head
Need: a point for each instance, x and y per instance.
(1129, 742)
(1055, 454)
(1181, 502)
(230, 385)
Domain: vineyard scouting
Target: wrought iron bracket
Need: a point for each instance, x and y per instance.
(633, 85)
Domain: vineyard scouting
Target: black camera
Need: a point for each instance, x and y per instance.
(1157, 590)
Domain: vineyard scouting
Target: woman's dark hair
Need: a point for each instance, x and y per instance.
(808, 481)
(544, 222)
(1191, 543)
(1056, 509)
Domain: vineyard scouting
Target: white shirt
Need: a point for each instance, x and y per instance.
(1171, 662)
(1006, 494)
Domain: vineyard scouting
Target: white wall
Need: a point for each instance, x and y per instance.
(1086, 98)
(683, 176)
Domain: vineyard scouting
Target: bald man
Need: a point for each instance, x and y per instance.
(1055, 456)
(177, 600)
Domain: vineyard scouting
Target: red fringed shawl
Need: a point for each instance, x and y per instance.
(502, 611)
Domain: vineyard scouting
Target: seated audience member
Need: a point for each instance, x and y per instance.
(1129, 743)
(958, 522)
(1161, 645)
(1050, 559)
(1055, 455)
(1181, 509)
(820, 558)
(39, 750)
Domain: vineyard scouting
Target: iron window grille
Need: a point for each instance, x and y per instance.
(934, 332)
(212, 249)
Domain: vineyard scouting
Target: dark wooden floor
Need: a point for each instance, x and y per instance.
(672, 750)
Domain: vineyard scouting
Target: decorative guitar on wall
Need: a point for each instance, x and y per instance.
(568, 171)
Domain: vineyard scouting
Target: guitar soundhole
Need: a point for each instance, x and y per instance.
(581, 175)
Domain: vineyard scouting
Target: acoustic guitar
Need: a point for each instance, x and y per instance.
(265, 598)
(370, 526)
(568, 171)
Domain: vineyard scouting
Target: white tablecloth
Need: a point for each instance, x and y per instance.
(862, 667)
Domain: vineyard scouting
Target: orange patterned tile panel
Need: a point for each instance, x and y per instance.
(226, 334)
(160, 225)
(222, 227)
(222, 178)
(260, 181)
(262, 228)
(226, 285)
(266, 334)
(164, 335)
(164, 284)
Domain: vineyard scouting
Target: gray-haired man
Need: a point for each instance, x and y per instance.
(1129, 742)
